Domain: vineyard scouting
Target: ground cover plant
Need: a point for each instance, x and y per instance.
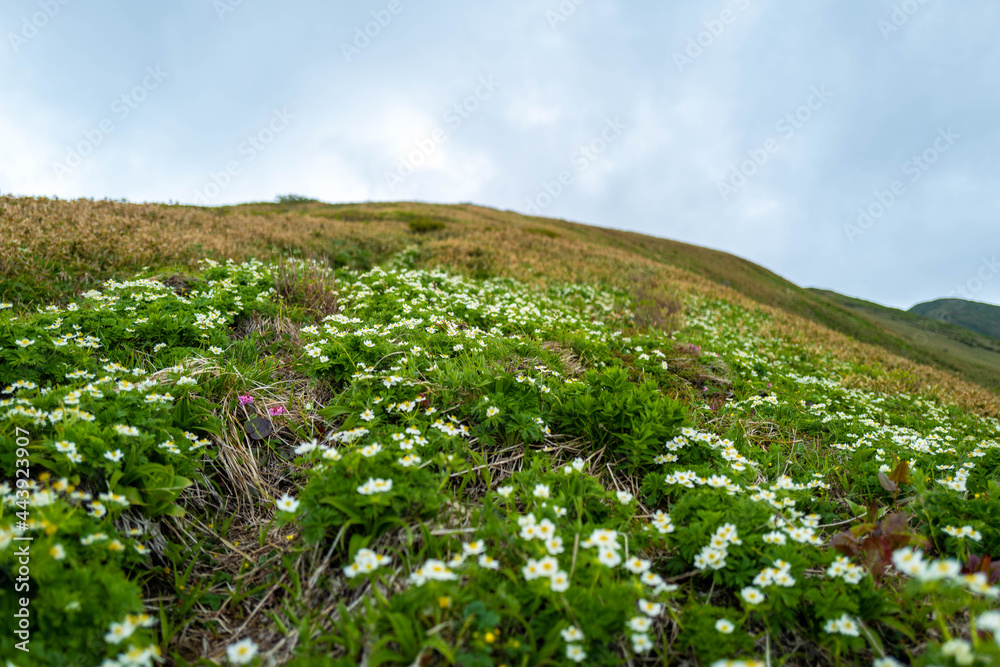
(287, 463)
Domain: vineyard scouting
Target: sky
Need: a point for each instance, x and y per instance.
(845, 144)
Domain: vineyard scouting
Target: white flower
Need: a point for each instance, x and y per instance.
(541, 491)
(603, 539)
(119, 632)
(775, 538)
(374, 485)
(572, 634)
(242, 651)
(908, 561)
(963, 532)
(409, 460)
(489, 562)
(559, 582)
(306, 447)
(959, 649)
(844, 625)
(641, 643)
(639, 624)
(368, 415)
(287, 503)
(371, 450)
(554, 546)
(545, 529)
(887, 661)
(651, 609)
(940, 569)
(990, 620)
(608, 557)
(114, 456)
(651, 579)
(724, 626)
(752, 596)
(57, 552)
(624, 497)
(492, 411)
(637, 565)
(65, 446)
(434, 570)
(547, 566)
(505, 491)
(575, 653)
(473, 548)
(711, 557)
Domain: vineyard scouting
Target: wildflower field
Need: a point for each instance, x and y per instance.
(440, 461)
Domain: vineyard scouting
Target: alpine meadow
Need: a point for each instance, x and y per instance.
(298, 433)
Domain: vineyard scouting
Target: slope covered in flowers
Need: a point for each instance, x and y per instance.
(477, 472)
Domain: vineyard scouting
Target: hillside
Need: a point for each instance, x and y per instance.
(409, 434)
(948, 345)
(72, 245)
(983, 318)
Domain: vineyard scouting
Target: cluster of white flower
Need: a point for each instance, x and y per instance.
(375, 485)
(432, 570)
(119, 632)
(964, 532)
(911, 562)
(845, 625)
(662, 523)
(779, 575)
(365, 562)
(606, 542)
(843, 567)
(713, 555)
(546, 568)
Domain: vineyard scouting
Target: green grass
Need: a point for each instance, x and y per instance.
(983, 318)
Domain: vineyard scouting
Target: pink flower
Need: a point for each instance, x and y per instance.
(278, 410)
(245, 399)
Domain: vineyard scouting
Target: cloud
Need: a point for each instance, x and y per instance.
(688, 128)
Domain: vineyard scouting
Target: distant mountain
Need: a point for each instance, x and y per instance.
(944, 344)
(983, 318)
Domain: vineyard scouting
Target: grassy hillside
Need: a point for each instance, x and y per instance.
(983, 318)
(52, 249)
(458, 436)
(947, 345)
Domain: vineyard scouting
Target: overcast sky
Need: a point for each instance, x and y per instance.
(845, 144)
